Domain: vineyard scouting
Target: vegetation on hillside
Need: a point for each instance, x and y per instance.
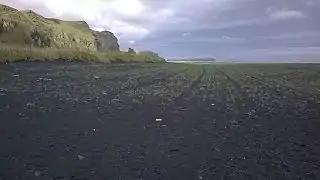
(27, 36)
(20, 53)
(131, 51)
(30, 28)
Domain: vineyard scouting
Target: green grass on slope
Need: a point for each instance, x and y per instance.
(28, 27)
(15, 53)
(25, 35)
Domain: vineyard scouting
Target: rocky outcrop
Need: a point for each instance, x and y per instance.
(106, 41)
(7, 25)
(31, 29)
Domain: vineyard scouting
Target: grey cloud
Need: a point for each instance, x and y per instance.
(285, 14)
(225, 29)
(289, 54)
(38, 7)
(248, 28)
(290, 50)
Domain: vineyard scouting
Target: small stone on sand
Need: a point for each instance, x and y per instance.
(37, 173)
(80, 157)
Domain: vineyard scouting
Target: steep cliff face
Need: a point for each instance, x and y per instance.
(29, 28)
(106, 41)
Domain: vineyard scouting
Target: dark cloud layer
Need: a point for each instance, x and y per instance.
(241, 30)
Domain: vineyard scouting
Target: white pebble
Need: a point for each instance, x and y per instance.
(80, 157)
(37, 173)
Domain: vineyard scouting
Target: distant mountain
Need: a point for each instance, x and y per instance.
(207, 59)
(195, 60)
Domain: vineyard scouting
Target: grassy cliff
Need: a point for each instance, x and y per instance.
(26, 35)
(29, 28)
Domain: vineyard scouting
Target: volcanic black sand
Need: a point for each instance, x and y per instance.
(85, 121)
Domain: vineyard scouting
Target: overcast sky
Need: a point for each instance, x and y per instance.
(224, 29)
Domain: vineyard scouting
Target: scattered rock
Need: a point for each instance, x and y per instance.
(21, 114)
(175, 150)
(67, 148)
(250, 113)
(234, 124)
(16, 75)
(39, 79)
(158, 120)
(80, 157)
(96, 77)
(302, 145)
(30, 105)
(136, 101)
(115, 100)
(44, 79)
(3, 91)
(37, 173)
(47, 79)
